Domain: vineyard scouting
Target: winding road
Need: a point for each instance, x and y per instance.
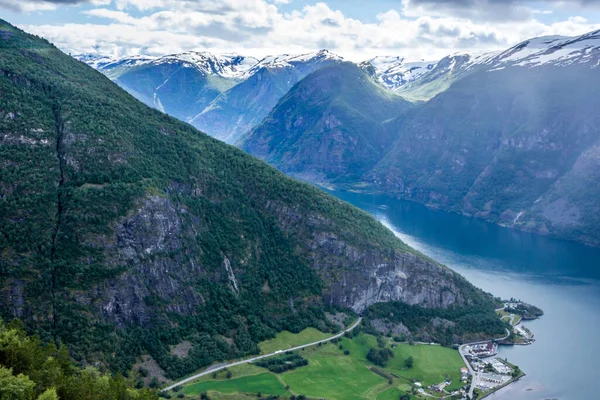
(220, 367)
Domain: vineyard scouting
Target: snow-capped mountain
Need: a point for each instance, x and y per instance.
(395, 72)
(226, 65)
(236, 111)
(293, 60)
(439, 77)
(181, 85)
(555, 51)
(223, 95)
(113, 66)
(552, 50)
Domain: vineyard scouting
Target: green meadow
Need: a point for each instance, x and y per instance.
(287, 340)
(265, 383)
(334, 375)
(432, 364)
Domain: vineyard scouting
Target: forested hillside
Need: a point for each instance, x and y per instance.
(126, 232)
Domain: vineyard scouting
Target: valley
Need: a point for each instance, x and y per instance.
(286, 223)
(153, 244)
(344, 362)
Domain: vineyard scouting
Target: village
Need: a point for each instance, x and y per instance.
(485, 372)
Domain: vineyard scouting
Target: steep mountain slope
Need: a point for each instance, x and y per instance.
(238, 110)
(395, 72)
(515, 141)
(182, 85)
(330, 126)
(124, 231)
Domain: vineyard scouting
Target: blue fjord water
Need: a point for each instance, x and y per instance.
(562, 278)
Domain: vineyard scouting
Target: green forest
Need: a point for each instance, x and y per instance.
(31, 370)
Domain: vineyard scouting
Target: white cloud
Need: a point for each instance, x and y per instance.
(257, 27)
(28, 6)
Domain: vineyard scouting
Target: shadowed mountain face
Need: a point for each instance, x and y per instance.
(331, 126)
(180, 85)
(124, 231)
(516, 146)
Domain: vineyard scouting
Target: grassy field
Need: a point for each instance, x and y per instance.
(393, 394)
(287, 340)
(334, 375)
(432, 364)
(265, 383)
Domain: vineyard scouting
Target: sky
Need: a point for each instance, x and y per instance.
(354, 29)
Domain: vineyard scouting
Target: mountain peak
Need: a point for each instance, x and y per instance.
(226, 65)
(554, 50)
(395, 71)
(290, 60)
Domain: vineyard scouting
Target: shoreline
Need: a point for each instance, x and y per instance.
(507, 384)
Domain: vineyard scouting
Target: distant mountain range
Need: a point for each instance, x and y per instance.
(222, 95)
(509, 136)
(228, 95)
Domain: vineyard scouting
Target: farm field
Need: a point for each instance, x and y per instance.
(337, 371)
(432, 364)
(266, 383)
(287, 340)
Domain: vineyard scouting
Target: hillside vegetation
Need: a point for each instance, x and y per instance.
(30, 370)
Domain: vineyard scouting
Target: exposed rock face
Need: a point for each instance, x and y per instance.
(150, 242)
(357, 278)
(371, 278)
(385, 327)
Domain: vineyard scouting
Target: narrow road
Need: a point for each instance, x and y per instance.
(211, 370)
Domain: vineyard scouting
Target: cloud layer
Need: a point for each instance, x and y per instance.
(415, 29)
